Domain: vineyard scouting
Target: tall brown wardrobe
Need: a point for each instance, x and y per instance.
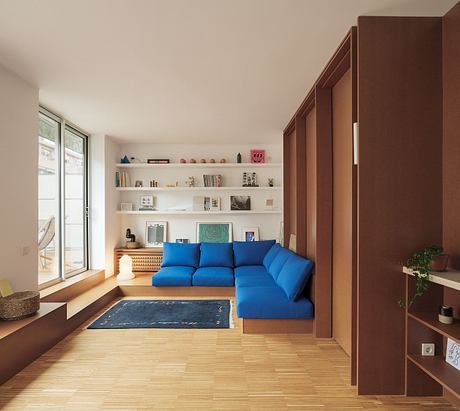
(362, 198)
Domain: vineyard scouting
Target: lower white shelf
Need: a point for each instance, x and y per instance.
(165, 212)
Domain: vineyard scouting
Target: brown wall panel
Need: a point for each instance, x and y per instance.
(310, 188)
(400, 181)
(323, 277)
(342, 216)
(451, 147)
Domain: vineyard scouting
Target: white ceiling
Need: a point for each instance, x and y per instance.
(181, 70)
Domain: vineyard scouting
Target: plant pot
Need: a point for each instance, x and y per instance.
(439, 264)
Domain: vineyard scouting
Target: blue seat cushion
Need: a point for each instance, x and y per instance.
(216, 255)
(271, 254)
(278, 262)
(270, 302)
(250, 270)
(294, 276)
(213, 277)
(251, 252)
(255, 280)
(178, 254)
(173, 276)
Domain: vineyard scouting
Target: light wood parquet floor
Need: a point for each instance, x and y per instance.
(160, 369)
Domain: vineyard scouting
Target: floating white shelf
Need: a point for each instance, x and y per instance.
(197, 188)
(165, 212)
(200, 165)
(449, 279)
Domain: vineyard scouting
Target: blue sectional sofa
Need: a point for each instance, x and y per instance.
(269, 279)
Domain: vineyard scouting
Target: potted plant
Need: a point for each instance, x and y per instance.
(421, 263)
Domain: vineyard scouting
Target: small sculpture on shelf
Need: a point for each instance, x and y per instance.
(223, 161)
(191, 181)
(153, 183)
(131, 239)
(192, 161)
(203, 161)
(124, 160)
(271, 182)
(238, 158)
(212, 161)
(183, 161)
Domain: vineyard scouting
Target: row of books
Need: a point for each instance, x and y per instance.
(122, 179)
(212, 180)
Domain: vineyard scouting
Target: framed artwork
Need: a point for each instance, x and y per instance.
(155, 233)
(146, 203)
(240, 203)
(453, 353)
(257, 156)
(269, 204)
(182, 241)
(139, 183)
(126, 206)
(250, 233)
(214, 232)
(293, 243)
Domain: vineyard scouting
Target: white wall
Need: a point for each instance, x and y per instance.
(104, 222)
(185, 226)
(19, 160)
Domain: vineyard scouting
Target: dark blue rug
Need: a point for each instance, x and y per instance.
(166, 314)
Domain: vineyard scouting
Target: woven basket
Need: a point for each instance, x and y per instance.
(19, 305)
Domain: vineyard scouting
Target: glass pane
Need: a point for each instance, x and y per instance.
(48, 199)
(75, 188)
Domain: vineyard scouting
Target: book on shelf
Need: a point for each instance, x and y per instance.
(122, 179)
(212, 180)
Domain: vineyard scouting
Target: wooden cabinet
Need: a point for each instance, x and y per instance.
(145, 260)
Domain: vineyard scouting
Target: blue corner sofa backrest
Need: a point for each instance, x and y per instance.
(251, 252)
(216, 255)
(181, 255)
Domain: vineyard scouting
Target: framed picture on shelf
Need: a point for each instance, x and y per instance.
(155, 233)
(182, 240)
(240, 203)
(453, 353)
(250, 233)
(269, 204)
(257, 156)
(139, 183)
(126, 206)
(214, 232)
(146, 203)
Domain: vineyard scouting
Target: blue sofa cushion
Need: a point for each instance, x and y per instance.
(250, 270)
(173, 276)
(251, 252)
(271, 254)
(216, 255)
(270, 302)
(255, 280)
(213, 277)
(294, 276)
(177, 254)
(278, 262)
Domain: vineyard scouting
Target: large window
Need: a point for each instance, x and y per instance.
(62, 199)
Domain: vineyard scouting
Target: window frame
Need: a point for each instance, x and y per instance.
(60, 218)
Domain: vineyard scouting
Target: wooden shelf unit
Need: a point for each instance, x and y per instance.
(145, 260)
(432, 375)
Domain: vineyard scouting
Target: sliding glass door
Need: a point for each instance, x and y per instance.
(63, 200)
(49, 131)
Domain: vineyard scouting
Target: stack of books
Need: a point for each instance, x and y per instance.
(122, 179)
(212, 180)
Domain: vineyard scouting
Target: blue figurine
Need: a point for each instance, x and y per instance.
(125, 160)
